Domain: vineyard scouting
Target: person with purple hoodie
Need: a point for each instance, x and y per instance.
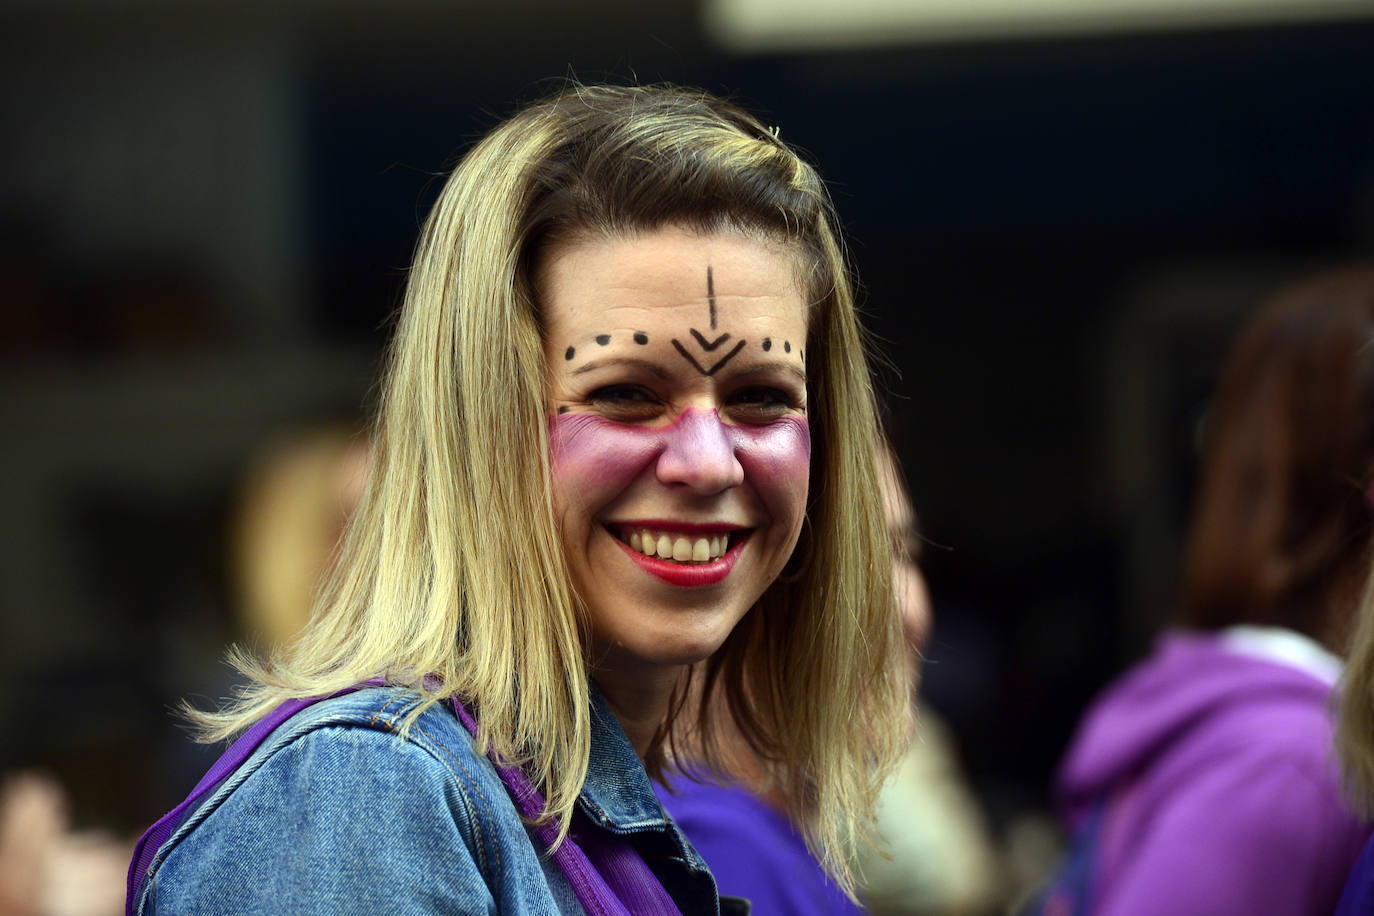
(1204, 780)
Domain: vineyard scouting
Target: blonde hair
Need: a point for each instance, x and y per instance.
(452, 579)
(1355, 721)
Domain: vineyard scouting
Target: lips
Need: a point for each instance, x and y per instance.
(682, 554)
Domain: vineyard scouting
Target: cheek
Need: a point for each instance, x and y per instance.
(592, 459)
(777, 463)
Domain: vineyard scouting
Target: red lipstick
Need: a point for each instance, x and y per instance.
(683, 575)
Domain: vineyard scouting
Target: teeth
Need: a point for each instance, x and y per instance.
(676, 547)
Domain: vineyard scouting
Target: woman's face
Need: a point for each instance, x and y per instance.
(679, 441)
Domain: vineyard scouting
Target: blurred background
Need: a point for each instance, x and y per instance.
(1059, 213)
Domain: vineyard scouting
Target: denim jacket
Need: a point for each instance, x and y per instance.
(337, 813)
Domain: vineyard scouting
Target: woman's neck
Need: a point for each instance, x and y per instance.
(639, 700)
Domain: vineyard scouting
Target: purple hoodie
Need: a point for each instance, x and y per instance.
(1225, 792)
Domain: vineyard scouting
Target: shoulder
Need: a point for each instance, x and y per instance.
(341, 804)
(1262, 830)
(1262, 773)
(1283, 720)
(1225, 783)
(1196, 705)
(362, 741)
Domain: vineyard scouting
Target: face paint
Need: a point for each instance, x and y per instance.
(697, 451)
(679, 446)
(602, 451)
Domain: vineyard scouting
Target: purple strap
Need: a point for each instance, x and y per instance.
(618, 885)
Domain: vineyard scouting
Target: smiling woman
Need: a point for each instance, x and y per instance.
(624, 500)
(707, 488)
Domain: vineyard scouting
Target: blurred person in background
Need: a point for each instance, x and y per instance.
(942, 857)
(46, 867)
(932, 853)
(289, 516)
(1203, 780)
(514, 597)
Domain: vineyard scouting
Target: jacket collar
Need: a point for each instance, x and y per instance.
(617, 795)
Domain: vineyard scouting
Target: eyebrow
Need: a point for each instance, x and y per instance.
(650, 367)
(771, 366)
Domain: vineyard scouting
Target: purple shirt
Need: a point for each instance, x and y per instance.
(753, 851)
(1358, 899)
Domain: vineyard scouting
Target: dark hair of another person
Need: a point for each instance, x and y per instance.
(1281, 528)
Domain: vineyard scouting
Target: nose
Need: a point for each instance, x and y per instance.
(698, 454)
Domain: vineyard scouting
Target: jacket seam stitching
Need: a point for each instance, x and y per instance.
(441, 748)
(394, 698)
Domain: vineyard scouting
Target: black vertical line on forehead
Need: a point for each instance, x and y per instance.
(711, 294)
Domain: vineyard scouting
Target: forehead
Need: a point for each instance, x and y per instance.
(670, 276)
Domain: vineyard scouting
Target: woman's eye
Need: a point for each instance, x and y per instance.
(762, 401)
(619, 394)
(625, 401)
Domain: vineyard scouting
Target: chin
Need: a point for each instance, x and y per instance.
(691, 654)
(641, 621)
(667, 650)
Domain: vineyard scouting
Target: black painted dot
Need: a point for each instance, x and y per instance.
(603, 339)
(641, 338)
(564, 409)
(787, 346)
(767, 344)
(568, 353)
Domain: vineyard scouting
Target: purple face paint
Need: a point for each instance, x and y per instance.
(777, 450)
(697, 448)
(697, 478)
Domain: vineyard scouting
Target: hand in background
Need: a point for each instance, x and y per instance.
(46, 868)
